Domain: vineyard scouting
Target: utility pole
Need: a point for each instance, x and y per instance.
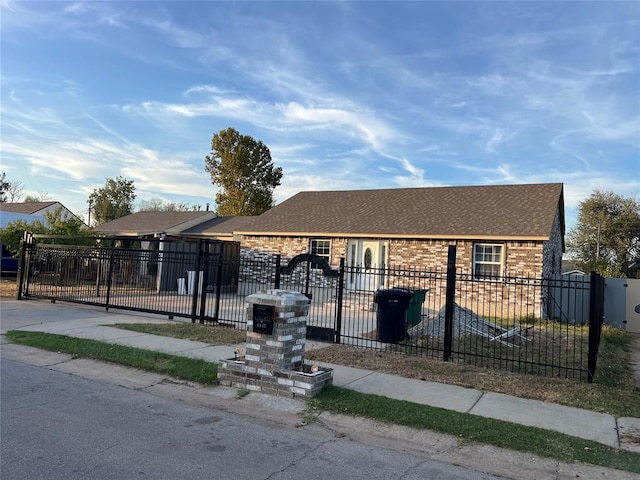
(90, 202)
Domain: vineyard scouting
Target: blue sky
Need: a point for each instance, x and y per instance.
(347, 95)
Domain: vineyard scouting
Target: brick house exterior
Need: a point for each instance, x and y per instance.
(499, 231)
(525, 221)
(519, 227)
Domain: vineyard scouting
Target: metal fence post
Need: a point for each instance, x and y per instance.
(449, 303)
(205, 280)
(22, 262)
(219, 282)
(276, 284)
(112, 250)
(339, 303)
(196, 284)
(596, 317)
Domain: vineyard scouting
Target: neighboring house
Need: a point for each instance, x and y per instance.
(30, 212)
(9, 263)
(199, 224)
(175, 227)
(504, 230)
(571, 267)
(219, 228)
(575, 271)
(154, 224)
(36, 208)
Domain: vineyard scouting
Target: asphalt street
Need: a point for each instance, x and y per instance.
(67, 417)
(61, 426)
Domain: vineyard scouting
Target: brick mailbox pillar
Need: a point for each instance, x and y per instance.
(274, 353)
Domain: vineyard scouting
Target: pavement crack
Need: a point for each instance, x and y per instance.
(107, 448)
(298, 459)
(62, 362)
(312, 415)
(175, 381)
(476, 402)
(336, 433)
(408, 470)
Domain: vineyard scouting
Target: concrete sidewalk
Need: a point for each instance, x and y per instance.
(92, 323)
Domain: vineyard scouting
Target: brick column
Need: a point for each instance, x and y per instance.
(283, 349)
(274, 358)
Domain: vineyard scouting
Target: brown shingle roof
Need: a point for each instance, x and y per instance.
(25, 207)
(492, 211)
(149, 223)
(220, 226)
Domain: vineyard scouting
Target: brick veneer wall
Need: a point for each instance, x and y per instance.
(522, 258)
(494, 299)
(529, 259)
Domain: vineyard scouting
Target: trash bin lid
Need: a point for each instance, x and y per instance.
(394, 292)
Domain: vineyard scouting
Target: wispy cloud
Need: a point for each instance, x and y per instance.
(346, 95)
(176, 35)
(358, 126)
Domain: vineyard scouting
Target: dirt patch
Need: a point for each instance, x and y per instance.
(434, 370)
(8, 287)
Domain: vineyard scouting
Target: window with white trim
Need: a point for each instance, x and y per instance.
(487, 261)
(322, 248)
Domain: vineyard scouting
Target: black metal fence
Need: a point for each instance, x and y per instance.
(521, 324)
(195, 279)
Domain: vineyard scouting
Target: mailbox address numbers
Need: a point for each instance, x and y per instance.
(263, 318)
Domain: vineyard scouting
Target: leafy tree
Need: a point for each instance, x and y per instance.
(54, 224)
(243, 168)
(12, 233)
(607, 236)
(4, 186)
(10, 191)
(69, 226)
(112, 201)
(159, 205)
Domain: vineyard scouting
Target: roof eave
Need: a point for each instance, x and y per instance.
(128, 233)
(398, 236)
(181, 227)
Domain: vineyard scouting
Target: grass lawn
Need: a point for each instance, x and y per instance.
(473, 428)
(613, 391)
(184, 368)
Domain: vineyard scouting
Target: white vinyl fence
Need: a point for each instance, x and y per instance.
(571, 302)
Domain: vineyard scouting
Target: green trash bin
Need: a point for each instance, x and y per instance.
(414, 311)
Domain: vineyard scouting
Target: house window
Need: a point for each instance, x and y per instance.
(487, 261)
(322, 248)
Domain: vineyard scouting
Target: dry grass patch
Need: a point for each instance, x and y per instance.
(212, 334)
(8, 287)
(542, 388)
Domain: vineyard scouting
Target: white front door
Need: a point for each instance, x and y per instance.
(366, 262)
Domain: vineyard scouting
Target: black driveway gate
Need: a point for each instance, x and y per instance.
(180, 277)
(312, 276)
